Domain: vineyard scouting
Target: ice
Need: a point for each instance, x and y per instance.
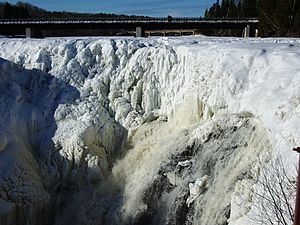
(115, 112)
(196, 189)
(185, 163)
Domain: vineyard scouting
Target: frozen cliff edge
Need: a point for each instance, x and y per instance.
(207, 107)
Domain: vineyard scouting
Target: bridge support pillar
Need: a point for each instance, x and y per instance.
(139, 32)
(247, 31)
(33, 33)
(28, 32)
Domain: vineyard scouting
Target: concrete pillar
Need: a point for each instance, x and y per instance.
(139, 32)
(34, 33)
(28, 32)
(247, 31)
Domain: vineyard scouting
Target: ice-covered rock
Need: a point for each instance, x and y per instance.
(185, 163)
(196, 189)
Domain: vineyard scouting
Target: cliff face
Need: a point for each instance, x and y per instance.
(142, 131)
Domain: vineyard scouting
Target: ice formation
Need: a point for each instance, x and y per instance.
(142, 131)
(196, 189)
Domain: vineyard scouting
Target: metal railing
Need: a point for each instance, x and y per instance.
(127, 20)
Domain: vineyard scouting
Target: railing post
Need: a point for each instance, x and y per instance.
(297, 205)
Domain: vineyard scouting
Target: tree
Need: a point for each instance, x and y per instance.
(206, 14)
(274, 195)
(284, 14)
(224, 8)
(7, 10)
(296, 27)
(233, 9)
(215, 10)
(249, 8)
(278, 17)
(26, 10)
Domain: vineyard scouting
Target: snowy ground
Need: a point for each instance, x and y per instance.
(116, 114)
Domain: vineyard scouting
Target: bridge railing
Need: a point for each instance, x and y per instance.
(127, 20)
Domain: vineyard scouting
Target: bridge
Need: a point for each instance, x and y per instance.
(138, 27)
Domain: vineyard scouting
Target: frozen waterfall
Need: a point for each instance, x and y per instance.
(121, 131)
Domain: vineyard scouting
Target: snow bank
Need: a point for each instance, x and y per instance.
(69, 110)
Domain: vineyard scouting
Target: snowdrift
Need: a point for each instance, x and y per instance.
(143, 131)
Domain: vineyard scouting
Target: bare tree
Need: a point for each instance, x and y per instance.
(274, 195)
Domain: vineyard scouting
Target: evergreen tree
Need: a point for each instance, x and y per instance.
(239, 8)
(206, 14)
(224, 8)
(283, 14)
(215, 10)
(232, 10)
(7, 10)
(296, 27)
(228, 8)
(249, 8)
(276, 17)
(26, 10)
(296, 19)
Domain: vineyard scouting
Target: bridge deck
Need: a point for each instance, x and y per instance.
(90, 27)
(126, 21)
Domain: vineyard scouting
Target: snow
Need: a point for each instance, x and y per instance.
(196, 189)
(185, 163)
(71, 106)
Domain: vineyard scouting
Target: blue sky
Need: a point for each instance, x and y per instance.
(181, 8)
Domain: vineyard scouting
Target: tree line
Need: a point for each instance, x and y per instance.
(276, 17)
(25, 10)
